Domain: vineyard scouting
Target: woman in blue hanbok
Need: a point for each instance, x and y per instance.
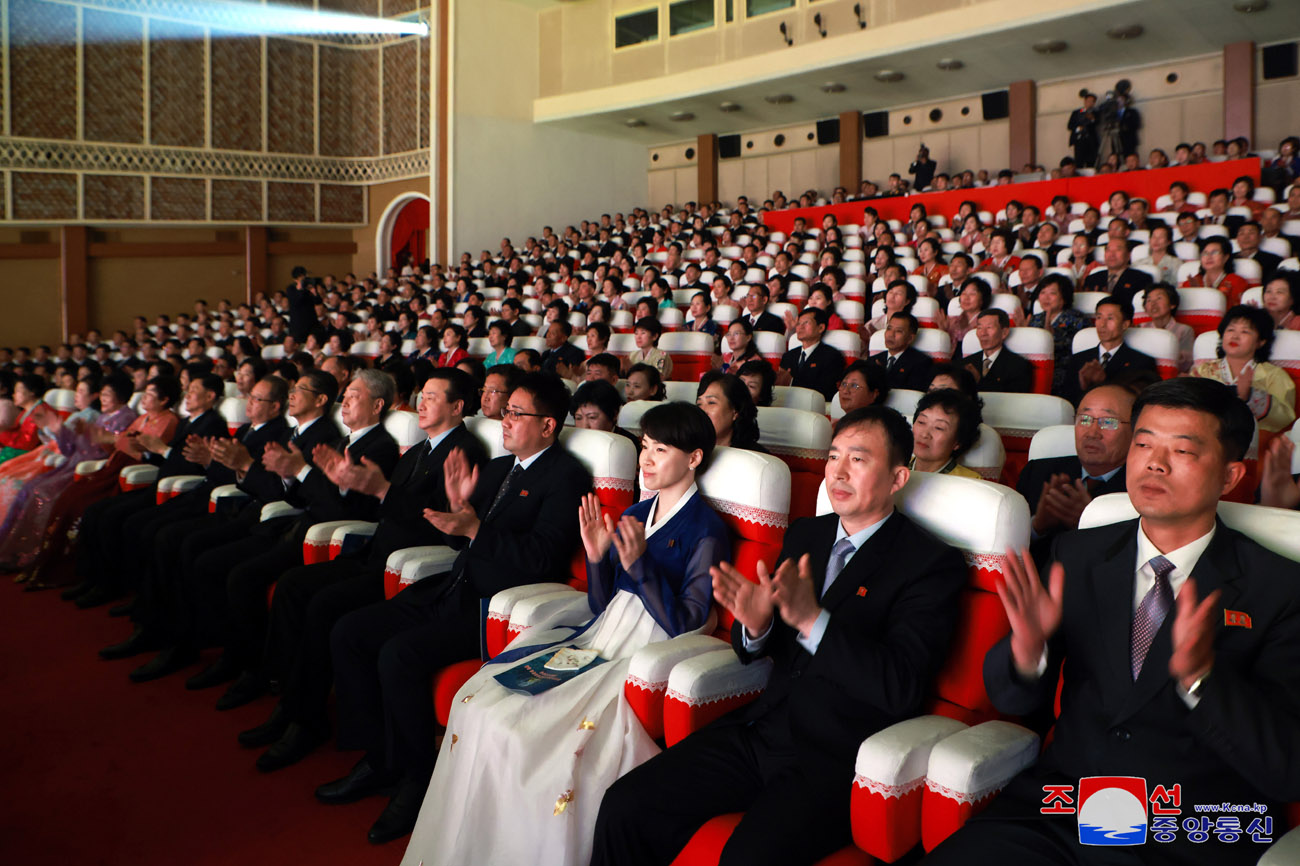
(519, 778)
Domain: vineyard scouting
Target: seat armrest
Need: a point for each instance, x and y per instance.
(707, 687)
(647, 676)
(1284, 852)
(417, 563)
(888, 780)
(135, 477)
(565, 607)
(279, 508)
(180, 483)
(967, 770)
(224, 490)
(89, 467)
(351, 537)
(316, 544)
(502, 605)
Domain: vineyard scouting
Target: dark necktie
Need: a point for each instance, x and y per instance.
(1151, 612)
(890, 362)
(840, 555)
(1105, 359)
(506, 487)
(1111, 281)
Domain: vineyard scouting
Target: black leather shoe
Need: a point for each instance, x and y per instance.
(363, 781)
(126, 608)
(266, 733)
(140, 641)
(298, 742)
(223, 670)
(399, 818)
(167, 662)
(96, 597)
(76, 590)
(247, 688)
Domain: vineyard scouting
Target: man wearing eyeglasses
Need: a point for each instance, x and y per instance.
(1059, 488)
(513, 523)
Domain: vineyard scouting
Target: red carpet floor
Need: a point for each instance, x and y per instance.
(97, 770)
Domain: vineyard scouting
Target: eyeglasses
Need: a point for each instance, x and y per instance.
(1110, 424)
(301, 390)
(850, 386)
(258, 399)
(493, 391)
(515, 414)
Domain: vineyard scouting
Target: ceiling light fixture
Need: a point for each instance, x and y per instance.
(833, 87)
(1125, 31)
(634, 123)
(1050, 46)
(728, 107)
(1249, 6)
(889, 76)
(681, 116)
(950, 64)
(779, 99)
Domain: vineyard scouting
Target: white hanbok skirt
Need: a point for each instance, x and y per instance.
(519, 778)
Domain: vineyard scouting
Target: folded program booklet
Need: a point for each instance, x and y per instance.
(548, 670)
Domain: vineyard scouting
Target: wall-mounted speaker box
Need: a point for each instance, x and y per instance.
(828, 131)
(1280, 61)
(728, 146)
(997, 105)
(875, 124)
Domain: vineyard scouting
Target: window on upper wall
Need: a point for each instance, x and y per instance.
(687, 16)
(762, 7)
(636, 28)
(731, 11)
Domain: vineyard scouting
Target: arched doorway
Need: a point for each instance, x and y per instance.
(403, 232)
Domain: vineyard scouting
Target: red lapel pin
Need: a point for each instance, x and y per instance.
(523, 492)
(862, 591)
(1236, 617)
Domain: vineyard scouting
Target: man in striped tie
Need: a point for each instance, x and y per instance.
(1180, 639)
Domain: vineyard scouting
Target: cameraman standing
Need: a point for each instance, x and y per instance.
(302, 304)
(923, 168)
(1083, 131)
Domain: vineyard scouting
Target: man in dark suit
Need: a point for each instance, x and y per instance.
(1270, 225)
(1181, 637)
(1059, 488)
(1248, 242)
(515, 524)
(102, 558)
(995, 367)
(511, 310)
(812, 364)
(756, 311)
(1117, 278)
(303, 298)
(1111, 358)
(905, 366)
(856, 619)
(161, 604)
(310, 599)
(561, 357)
(1083, 131)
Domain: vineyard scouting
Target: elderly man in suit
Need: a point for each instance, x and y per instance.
(996, 367)
(905, 366)
(856, 618)
(1111, 358)
(1181, 641)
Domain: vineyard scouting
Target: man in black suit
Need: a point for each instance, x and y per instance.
(1181, 638)
(812, 364)
(310, 599)
(1117, 278)
(756, 311)
(1111, 358)
(856, 618)
(1059, 488)
(995, 367)
(905, 366)
(511, 310)
(1270, 224)
(1083, 131)
(515, 524)
(102, 558)
(1248, 242)
(561, 357)
(161, 606)
(303, 298)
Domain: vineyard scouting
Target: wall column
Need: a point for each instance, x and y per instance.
(851, 151)
(74, 294)
(706, 163)
(1239, 90)
(255, 261)
(1022, 103)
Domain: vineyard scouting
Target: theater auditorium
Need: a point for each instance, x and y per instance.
(665, 432)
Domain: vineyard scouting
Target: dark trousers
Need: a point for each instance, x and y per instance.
(99, 549)
(796, 807)
(309, 600)
(385, 657)
(158, 605)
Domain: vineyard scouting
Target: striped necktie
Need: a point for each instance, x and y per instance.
(1151, 612)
